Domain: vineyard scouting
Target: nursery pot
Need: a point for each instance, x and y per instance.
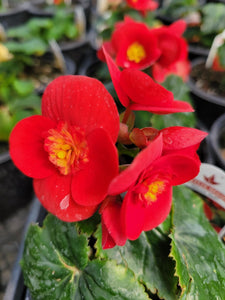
(16, 290)
(13, 17)
(195, 51)
(217, 139)
(208, 107)
(205, 148)
(15, 188)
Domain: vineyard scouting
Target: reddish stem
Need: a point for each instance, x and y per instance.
(126, 115)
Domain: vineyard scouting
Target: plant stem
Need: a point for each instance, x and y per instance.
(126, 115)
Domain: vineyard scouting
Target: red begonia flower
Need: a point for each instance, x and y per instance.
(138, 91)
(173, 47)
(133, 44)
(69, 150)
(148, 182)
(142, 5)
(174, 52)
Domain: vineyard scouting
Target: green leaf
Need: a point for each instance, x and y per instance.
(142, 119)
(56, 265)
(89, 226)
(23, 87)
(181, 92)
(6, 123)
(30, 102)
(104, 280)
(32, 46)
(213, 20)
(148, 257)
(20, 32)
(53, 259)
(196, 248)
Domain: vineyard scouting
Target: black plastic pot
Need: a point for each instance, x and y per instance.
(16, 290)
(217, 140)
(16, 190)
(205, 148)
(14, 17)
(195, 51)
(208, 107)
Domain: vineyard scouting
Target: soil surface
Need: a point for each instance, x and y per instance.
(41, 73)
(212, 82)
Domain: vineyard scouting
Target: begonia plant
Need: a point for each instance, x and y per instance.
(120, 224)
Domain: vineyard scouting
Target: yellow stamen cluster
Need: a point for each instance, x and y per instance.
(136, 52)
(67, 150)
(154, 189)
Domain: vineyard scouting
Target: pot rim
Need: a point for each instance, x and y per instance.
(4, 157)
(199, 92)
(214, 137)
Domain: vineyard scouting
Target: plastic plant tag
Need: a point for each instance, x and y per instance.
(210, 183)
(80, 20)
(59, 59)
(217, 42)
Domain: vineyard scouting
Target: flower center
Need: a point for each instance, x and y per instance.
(153, 190)
(67, 148)
(136, 52)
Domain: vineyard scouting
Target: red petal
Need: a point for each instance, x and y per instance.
(109, 48)
(142, 89)
(107, 240)
(54, 194)
(180, 168)
(170, 46)
(111, 219)
(83, 102)
(115, 74)
(143, 4)
(157, 211)
(27, 146)
(178, 27)
(132, 215)
(177, 137)
(176, 107)
(90, 185)
(128, 177)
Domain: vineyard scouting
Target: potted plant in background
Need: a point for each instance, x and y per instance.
(62, 27)
(12, 13)
(201, 34)
(16, 101)
(171, 11)
(207, 83)
(201, 29)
